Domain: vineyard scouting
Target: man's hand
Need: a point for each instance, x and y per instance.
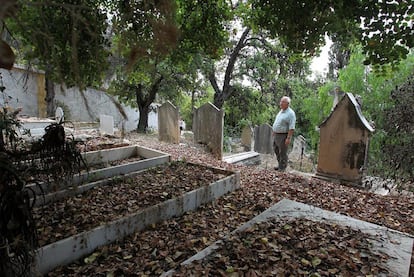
(287, 141)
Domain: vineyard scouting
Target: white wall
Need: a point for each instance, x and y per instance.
(21, 91)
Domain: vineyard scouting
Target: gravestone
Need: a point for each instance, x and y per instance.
(344, 140)
(299, 147)
(106, 124)
(59, 115)
(299, 156)
(263, 141)
(168, 123)
(208, 124)
(247, 138)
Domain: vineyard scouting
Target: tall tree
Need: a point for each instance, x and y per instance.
(157, 40)
(65, 39)
(339, 56)
(254, 58)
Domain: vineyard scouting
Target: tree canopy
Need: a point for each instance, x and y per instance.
(384, 28)
(66, 39)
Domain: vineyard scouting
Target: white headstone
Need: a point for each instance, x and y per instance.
(59, 115)
(106, 124)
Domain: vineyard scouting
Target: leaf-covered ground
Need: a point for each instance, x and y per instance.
(280, 247)
(164, 246)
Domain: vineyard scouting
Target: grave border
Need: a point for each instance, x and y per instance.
(47, 193)
(75, 247)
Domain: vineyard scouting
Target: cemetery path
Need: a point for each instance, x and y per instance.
(165, 245)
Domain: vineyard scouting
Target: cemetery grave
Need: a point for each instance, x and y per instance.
(171, 261)
(97, 167)
(76, 224)
(123, 196)
(280, 247)
(293, 238)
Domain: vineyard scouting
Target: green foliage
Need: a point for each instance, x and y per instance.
(382, 27)
(9, 124)
(66, 40)
(391, 32)
(313, 109)
(203, 26)
(352, 78)
(386, 155)
(398, 144)
(247, 107)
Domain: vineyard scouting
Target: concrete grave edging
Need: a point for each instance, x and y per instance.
(151, 158)
(70, 249)
(396, 244)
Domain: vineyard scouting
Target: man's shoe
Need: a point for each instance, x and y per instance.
(276, 168)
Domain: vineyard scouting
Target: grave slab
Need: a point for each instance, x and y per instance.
(396, 244)
(246, 158)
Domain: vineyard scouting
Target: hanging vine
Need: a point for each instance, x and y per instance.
(52, 159)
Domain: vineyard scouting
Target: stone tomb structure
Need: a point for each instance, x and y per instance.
(208, 124)
(263, 142)
(168, 123)
(344, 139)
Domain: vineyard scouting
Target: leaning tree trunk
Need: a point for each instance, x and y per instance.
(50, 97)
(220, 96)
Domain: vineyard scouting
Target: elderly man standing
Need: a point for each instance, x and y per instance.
(283, 128)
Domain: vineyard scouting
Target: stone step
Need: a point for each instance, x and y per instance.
(246, 158)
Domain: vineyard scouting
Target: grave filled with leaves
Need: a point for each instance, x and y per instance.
(120, 198)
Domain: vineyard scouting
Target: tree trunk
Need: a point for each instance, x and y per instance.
(219, 99)
(143, 119)
(50, 97)
(220, 96)
(144, 102)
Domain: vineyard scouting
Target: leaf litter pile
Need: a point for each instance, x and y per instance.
(165, 245)
(102, 204)
(279, 247)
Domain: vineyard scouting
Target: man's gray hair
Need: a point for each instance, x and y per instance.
(286, 98)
